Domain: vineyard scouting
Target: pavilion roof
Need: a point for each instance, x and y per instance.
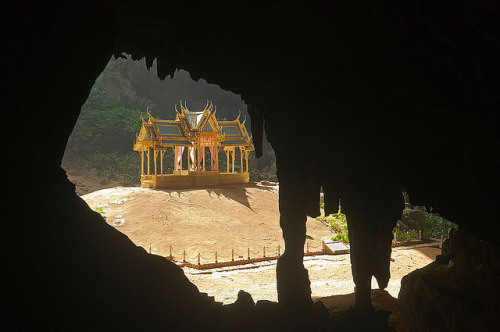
(188, 126)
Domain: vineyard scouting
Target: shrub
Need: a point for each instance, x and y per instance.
(337, 223)
(401, 234)
(435, 225)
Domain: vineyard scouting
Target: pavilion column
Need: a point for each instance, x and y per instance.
(149, 162)
(162, 153)
(180, 157)
(155, 155)
(233, 155)
(175, 158)
(142, 162)
(189, 157)
(211, 155)
(227, 156)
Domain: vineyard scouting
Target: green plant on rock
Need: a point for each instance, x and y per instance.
(337, 223)
(100, 210)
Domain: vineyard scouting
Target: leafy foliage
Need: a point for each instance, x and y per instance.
(401, 234)
(338, 224)
(435, 225)
(100, 210)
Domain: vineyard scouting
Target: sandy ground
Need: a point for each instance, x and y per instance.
(201, 220)
(233, 218)
(329, 275)
(86, 182)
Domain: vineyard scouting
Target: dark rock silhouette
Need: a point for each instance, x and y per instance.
(459, 291)
(337, 87)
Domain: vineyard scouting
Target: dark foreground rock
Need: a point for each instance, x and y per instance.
(460, 291)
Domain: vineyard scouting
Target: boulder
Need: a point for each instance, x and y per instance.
(460, 291)
(413, 219)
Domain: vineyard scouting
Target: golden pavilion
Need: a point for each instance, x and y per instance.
(197, 136)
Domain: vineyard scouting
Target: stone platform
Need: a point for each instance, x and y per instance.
(188, 179)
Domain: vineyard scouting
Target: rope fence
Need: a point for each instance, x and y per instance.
(199, 261)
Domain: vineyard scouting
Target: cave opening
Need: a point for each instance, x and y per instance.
(434, 79)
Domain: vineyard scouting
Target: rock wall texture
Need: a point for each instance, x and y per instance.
(459, 291)
(337, 87)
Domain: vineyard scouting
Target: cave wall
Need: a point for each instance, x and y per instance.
(360, 98)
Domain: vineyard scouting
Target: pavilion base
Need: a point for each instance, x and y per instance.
(193, 179)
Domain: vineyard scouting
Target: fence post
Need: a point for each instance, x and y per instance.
(307, 246)
(232, 255)
(198, 258)
(184, 256)
(420, 234)
(264, 251)
(149, 249)
(249, 253)
(216, 256)
(279, 250)
(170, 251)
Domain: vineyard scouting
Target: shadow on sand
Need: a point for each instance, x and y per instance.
(237, 193)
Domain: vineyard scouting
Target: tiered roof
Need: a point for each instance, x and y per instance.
(189, 126)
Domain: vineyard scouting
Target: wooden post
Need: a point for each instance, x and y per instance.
(149, 249)
(249, 253)
(264, 251)
(170, 251)
(307, 246)
(216, 256)
(279, 250)
(420, 234)
(232, 255)
(198, 258)
(184, 256)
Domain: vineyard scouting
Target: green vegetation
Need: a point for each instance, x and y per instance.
(435, 225)
(400, 234)
(338, 224)
(100, 210)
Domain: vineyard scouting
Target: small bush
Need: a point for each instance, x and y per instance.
(401, 234)
(337, 223)
(435, 225)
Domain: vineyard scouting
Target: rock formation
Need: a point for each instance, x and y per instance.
(337, 87)
(459, 291)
